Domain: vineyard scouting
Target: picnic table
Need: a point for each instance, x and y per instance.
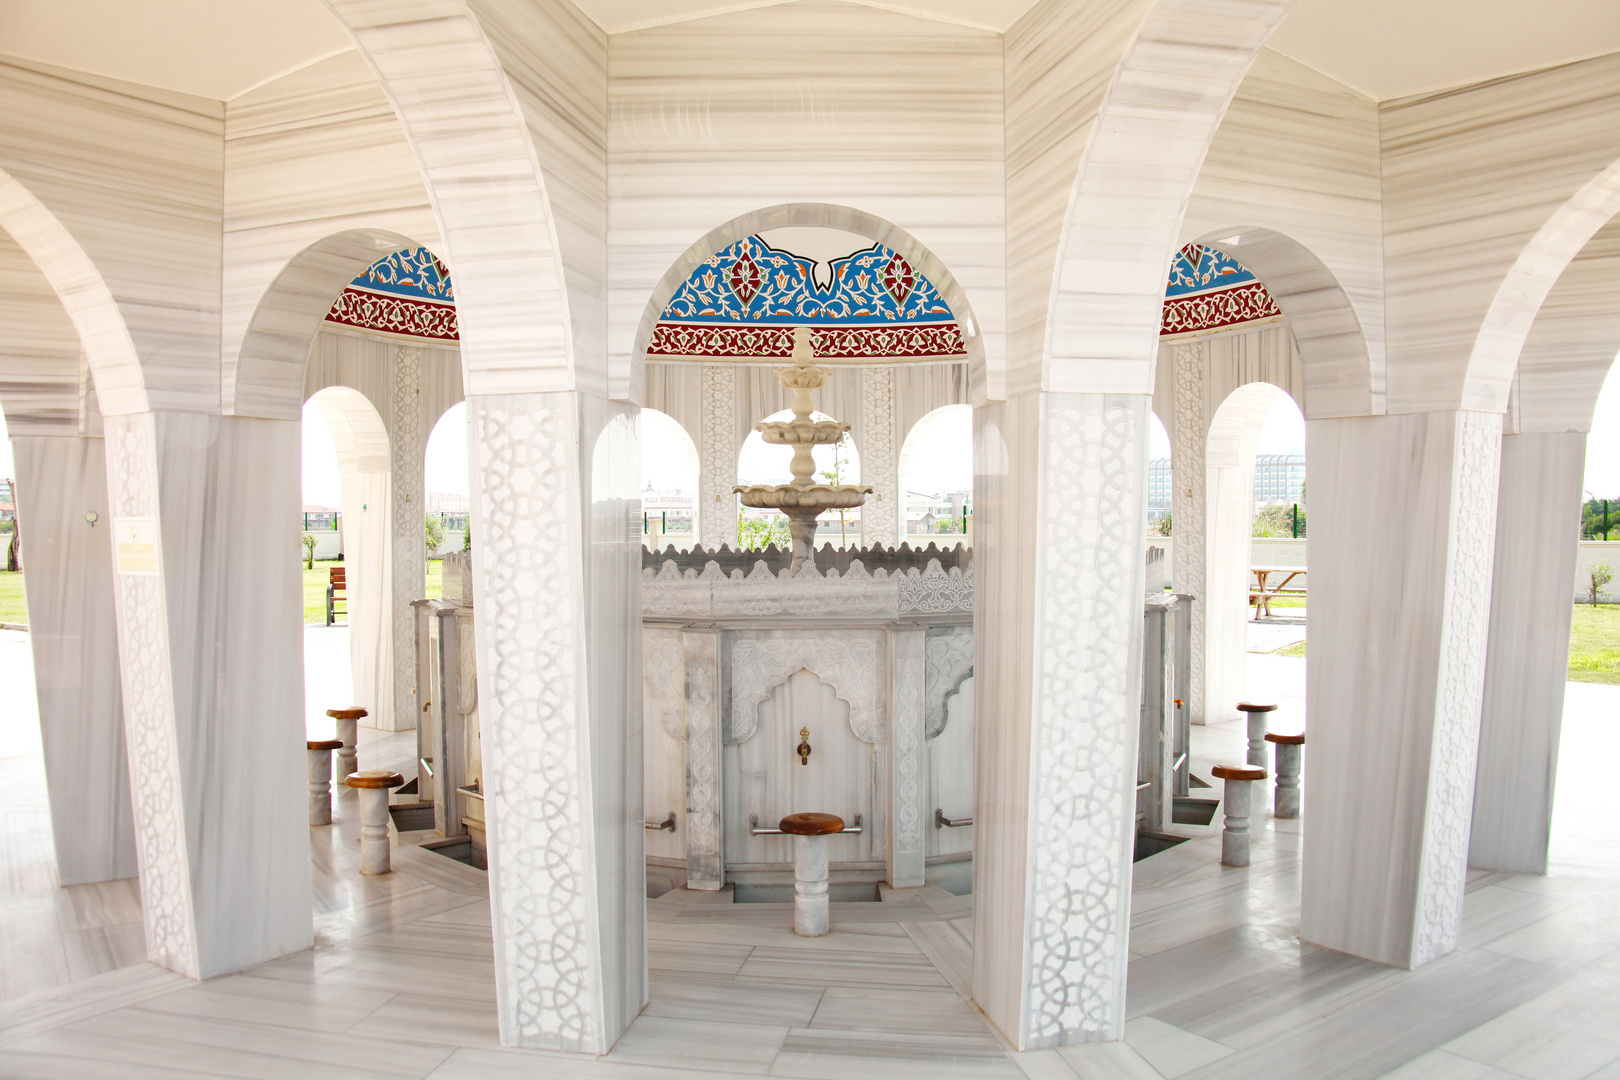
(1264, 591)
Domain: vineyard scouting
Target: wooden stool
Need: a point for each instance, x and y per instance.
(373, 787)
(1235, 839)
(810, 832)
(320, 778)
(348, 729)
(1290, 756)
(1257, 730)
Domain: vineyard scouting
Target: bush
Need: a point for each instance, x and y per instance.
(755, 534)
(435, 533)
(309, 551)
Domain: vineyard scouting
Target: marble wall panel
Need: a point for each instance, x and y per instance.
(1528, 653)
(128, 181)
(1297, 154)
(1473, 179)
(895, 116)
(308, 155)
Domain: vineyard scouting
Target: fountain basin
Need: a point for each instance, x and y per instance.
(817, 496)
(801, 432)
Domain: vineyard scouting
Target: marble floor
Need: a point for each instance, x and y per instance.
(400, 983)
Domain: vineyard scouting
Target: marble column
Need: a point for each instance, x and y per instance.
(1403, 524)
(1061, 485)
(909, 813)
(1187, 477)
(559, 651)
(880, 460)
(209, 609)
(1527, 659)
(73, 636)
(408, 547)
(705, 851)
(1223, 610)
(717, 457)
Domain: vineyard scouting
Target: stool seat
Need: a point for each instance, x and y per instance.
(1287, 740)
(323, 744)
(1239, 772)
(374, 778)
(1248, 707)
(354, 712)
(811, 824)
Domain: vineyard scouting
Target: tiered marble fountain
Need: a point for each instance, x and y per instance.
(803, 500)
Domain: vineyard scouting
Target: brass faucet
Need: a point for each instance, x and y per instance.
(804, 746)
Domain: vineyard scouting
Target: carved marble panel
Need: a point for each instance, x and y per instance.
(880, 514)
(949, 653)
(717, 457)
(847, 660)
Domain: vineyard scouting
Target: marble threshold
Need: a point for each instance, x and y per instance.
(400, 983)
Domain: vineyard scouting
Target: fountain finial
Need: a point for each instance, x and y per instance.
(802, 500)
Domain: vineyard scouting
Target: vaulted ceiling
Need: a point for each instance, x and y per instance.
(1383, 48)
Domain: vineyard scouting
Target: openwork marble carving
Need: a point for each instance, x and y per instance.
(909, 744)
(535, 758)
(149, 720)
(409, 553)
(1187, 506)
(880, 516)
(845, 660)
(950, 661)
(717, 505)
(1461, 685)
(1084, 714)
(669, 593)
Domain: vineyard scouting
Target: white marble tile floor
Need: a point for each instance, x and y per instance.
(401, 982)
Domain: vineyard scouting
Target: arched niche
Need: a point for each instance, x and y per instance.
(669, 471)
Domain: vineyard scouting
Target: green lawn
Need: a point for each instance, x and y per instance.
(314, 590)
(12, 609)
(1594, 644)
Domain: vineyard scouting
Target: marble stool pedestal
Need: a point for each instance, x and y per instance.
(348, 730)
(1239, 794)
(373, 787)
(320, 778)
(1258, 719)
(1290, 756)
(810, 831)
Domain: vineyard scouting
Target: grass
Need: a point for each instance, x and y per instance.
(1297, 649)
(314, 590)
(1594, 644)
(12, 609)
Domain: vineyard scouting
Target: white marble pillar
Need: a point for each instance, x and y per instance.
(1527, 659)
(408, 547)
(209, 611)
(908, 785)
(73, 636)
(556, 566)
(705, 852)
(1403, 524)
(1231, 439)
(811, 912)
(717, 457)
(1187, 476)
(880, 459)
(1061, 485)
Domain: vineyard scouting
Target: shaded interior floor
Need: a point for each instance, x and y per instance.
(401, 982)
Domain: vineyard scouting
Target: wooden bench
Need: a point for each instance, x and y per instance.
(336, 593)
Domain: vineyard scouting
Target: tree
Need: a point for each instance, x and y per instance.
(1601, 576)
(435, 533)
(1278, 521)
(466, 535)
(757, 534)
(309, 551)
(1160, 526)
(835, 477)
(1593, 513)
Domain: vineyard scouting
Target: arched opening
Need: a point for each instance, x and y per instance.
(669, 482)
(1161, 522)
(936, 477)
(446, 481)
(360, 447)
